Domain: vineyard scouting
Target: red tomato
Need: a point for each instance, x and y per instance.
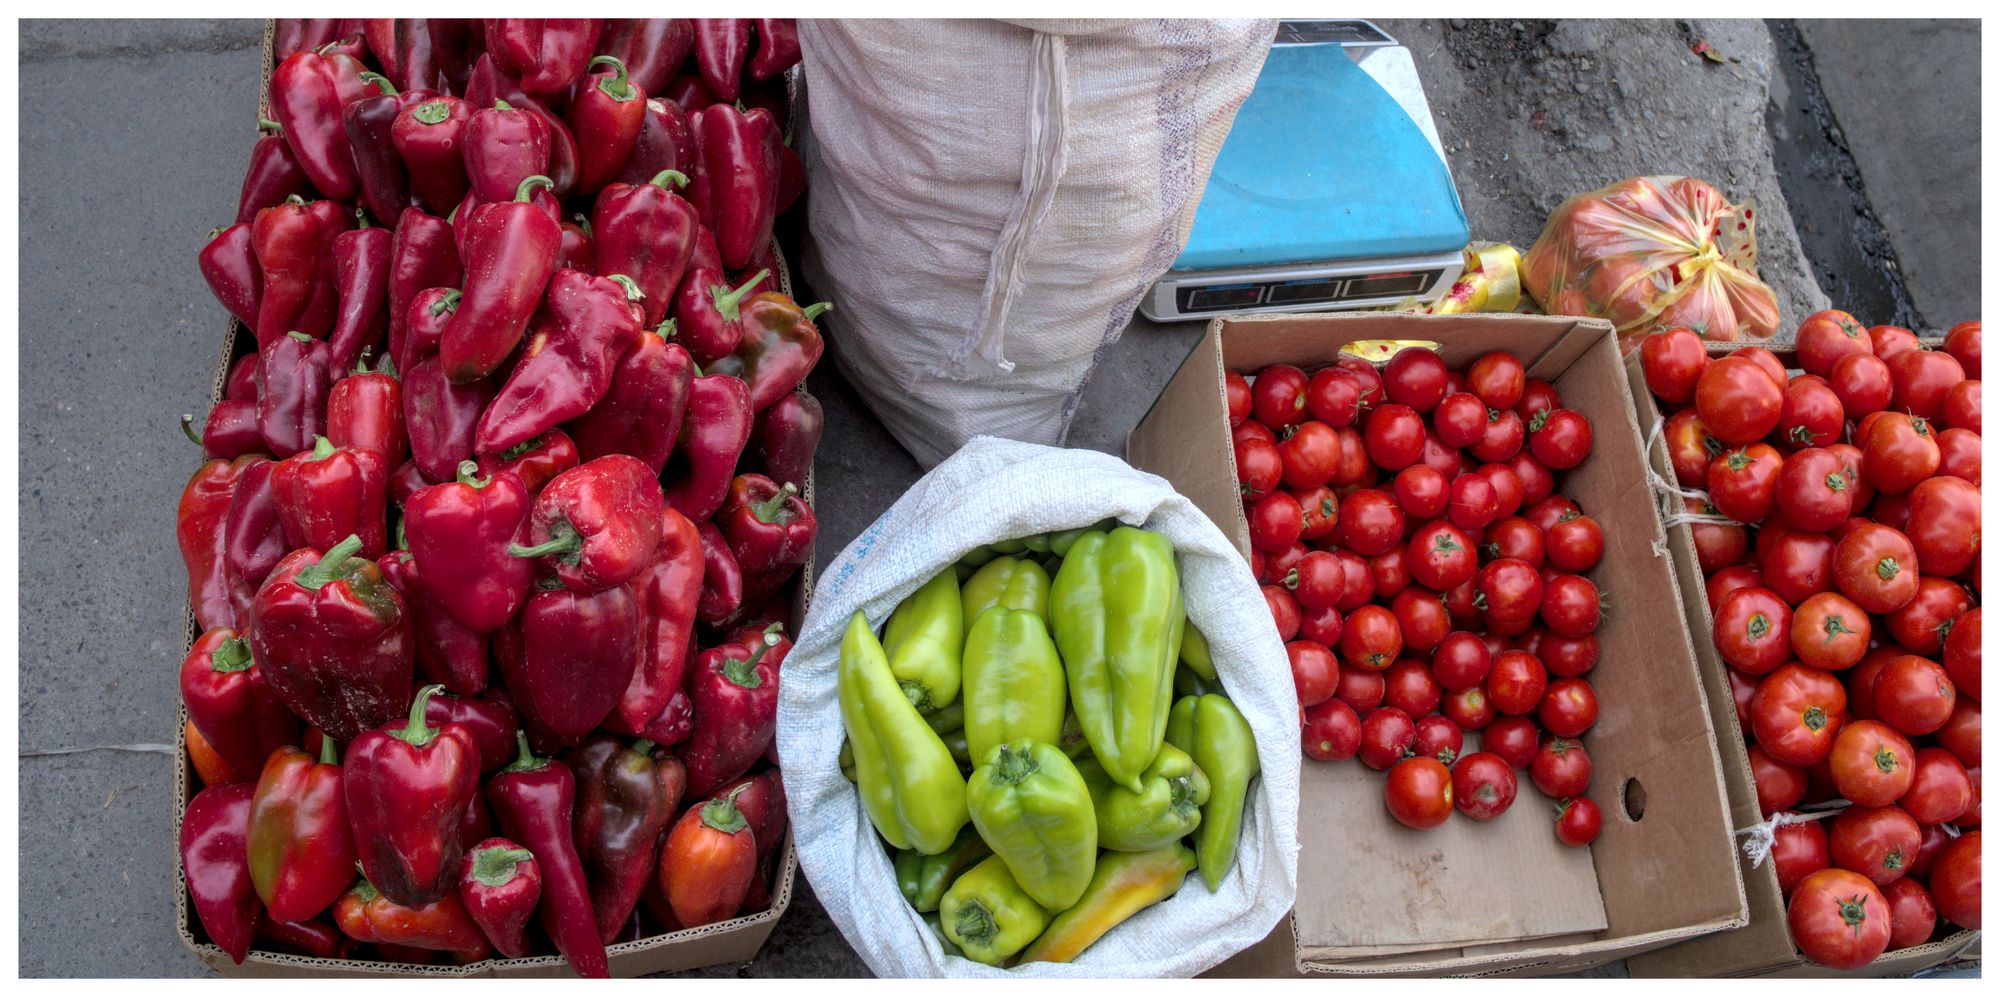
(1498, 378)
(1672, 361)
(1876, 567)
(1962, 342)
(1514, 537)
(1798, 565)
(1736, 576)
(1955, 881)
(1408, 686)
(1897, 452)
(1320, 510)
(1716, 545)
(1824, 337)
(1561, 768)
(1360, 588)
(1912, 916)
(1743, 483)
(1913, 694)
(1394, 436)
(1861, 681)
(1763, 358)
(1275, 521)
(1461, 661)
(1516, 682)
(1512, 589)
(1742, 688)
(1320, 625)
(1441, 556)
(1332, 731)
(1850, 463)
(1514, 739)
(1238, 391)
(1423, 491)
(1838, 919)
(1578, 822)
(1738, 400)
(1960, 734)
(1941, 790)
(1359, 689)
(1568, 708)
(1813, 415)
(1284, 611)
(1797, 712)
(1370, 522)
(1537, 396)
(1483, 784)
(1961, 653)
(1315, 673)
(1387, 735)
(1690, 447)
(1571, 606)
(1311, 455)
(1278, 567)
(1797, 851)
(1872, 764)
(1958, 455)
(1421, 614)
(1779, 785)
(1439, 738)
(1321, 580)
(1508, 491)
(1414, 377)
(1537, 481)
(1278, 396)
(1960, 409)
(1440, 458)
(1258, 467)
(1469, 708)
(1568, 657)
(1551, 510)
(1371, 380)
(1944, 525)
(1890, 340)
(1922, 624)
(1392, 573)
(1474, 502)
(1560, 438)
(1354, 468)
(1371, 638)
(1575, 544)
(1814, 490)
(1753, 631)
(1862, 384)
(1829, 631)
(1877, 842)
(1419, 793)
(1503, 436)
(1921, 378)
(1333, 396)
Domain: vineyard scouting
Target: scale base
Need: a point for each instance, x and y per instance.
(1193, 295)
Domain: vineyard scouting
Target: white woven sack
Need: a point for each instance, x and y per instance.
(995, 490)
(990, 201)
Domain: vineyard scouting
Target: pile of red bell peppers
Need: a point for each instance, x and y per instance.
(493, 544)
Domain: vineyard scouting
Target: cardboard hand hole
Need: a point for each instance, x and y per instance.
(1634, 795)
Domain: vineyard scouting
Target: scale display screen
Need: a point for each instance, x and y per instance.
(1239, 296)
(1386, 284)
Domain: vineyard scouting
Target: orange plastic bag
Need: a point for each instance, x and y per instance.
(1653, 253)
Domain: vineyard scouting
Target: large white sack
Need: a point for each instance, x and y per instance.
(993, 490)
(990, 202)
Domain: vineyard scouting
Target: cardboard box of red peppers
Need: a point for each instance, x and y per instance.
(506, 512)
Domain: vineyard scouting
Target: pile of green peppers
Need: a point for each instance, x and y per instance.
(1040, 738)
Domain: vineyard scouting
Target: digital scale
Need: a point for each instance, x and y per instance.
(1330, 192)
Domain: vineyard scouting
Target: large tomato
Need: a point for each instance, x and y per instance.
(1877, 842)
(1440, 556)
(1370, 522)
(1394, 435)
(1897, 452)
(1546, 513)
(1860, 491)
(1387, 736)
(1922, 624)
(1284, 611)
(1752, 630)
(1743, 483)
(1575, 544)
(1561, 768)
(1508, 491)
(1408, 686)
(1944, 525)
(1941, 790)
(1568, 708)
(1560, 438)
(1315, 672)
(1716, 545)
(1872, 764)
(1672, 361)
(1876, 567)
(1890, 340)
(1826, 336)
(1461, 661)
(1514, 739)
(1512, 589)
(1258, 467)
(1371, 638)
(1416, 377)
(1862, 384)
(1332, 731)
(1779, 785)
(1238, 391)
(1798, 850)
(1371, 380)
(1360, 690)
(1690, 447)
(1921, 377)
(1517, 538)
(1537, 481)
(1912, 916)
(1839, 919)
(1578, 822)
(1311, 454)
(1537, 396)
(1961, 407)
(1498, 378)
(1421, 614)
(1469, 708)
(1354, 469)
(1829, 631)
(1483, 784)
(1813, 415)
(1460, 419)
(1797, 712)
(1961, 653)
(1814, 490)
(1278, 396)
(1955, 881)
(1913, 694)
(1764, 358)
(1960, 734)
(1959, 455)
(1422, 491)
(1439, 738)
(1474, 503)
(1736, 576)
(1738, 400)
(1321, 512)
(1568, 657)
(1333, 396)
(1516, 682)
(1503, 436)
(1419, 793)
(1571, 606)
(1392, 574)
(1797, 565)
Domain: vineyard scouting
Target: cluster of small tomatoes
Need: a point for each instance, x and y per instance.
(1840, 541)
(1426, 576)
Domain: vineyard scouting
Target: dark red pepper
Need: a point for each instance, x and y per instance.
(361, 281)
(734, 688)
(547, 54)
(430, 312)
(668, 591)
(294, 246)
(198, 525)
(780, 346)
(478, 825)
(537, 461)
(367, 915)
(302, 34)
(534, 801)
(449, 653)
(500, 885)
(721, 578)
(587, 326)
(646, 232)
(229, 702)
(791, 177)
(736, 183)
(230, 431)
(489, 719)
(229, 264)
(688, 91)
(241, 384)
(403, 46)
(407, 480)
(429, 137)
(605, 116)
(777, 51)
(675, 723)
(460, 532)
(333, 640)
(626, 795)
(253, 535)
(596, 525)
(423, 254)
(301, 854)
(370, 126)
(510, 255)
(305, 100)
(666, 142)
(641, 413)
(273, 174)
(214, 829)
(768, 526)
(568, 657)
(504, 145)
(407, 789)
(713, 435)
(329, 492)
(365, 410)
(564, 158)
(577, 252)
(294, 374)
(788, 436)
(316, 937)
(456, 43)
(721, 47)
(652, 48)
(708, 314)
(440, 416)
(762, 801)
(344, 60)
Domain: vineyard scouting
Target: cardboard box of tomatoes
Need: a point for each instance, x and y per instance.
(1789, 570)
(1377, 897)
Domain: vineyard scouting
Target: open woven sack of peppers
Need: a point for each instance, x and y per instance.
(1019, 786)
(492, 553)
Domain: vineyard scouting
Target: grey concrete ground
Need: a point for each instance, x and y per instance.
(132, 139)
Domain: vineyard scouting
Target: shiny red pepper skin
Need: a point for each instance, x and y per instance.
(788, 435)
(423, 254)
(478, 825)
(407, 480)
(329, 492)
(229, 264)
(504, 145)
(273, 175)
(626, 795)
(301, 853)
(605, 116)
(568, 657)
(408, 785)
(317, 938)
(668, 591)
(500, 884)
(449, 653)
(214, 827)
(440, 417)
(230, 431)
(534, 801)
(713, 435)
(459, 532)
(675, 723)
(305, 100)
(253, 535)
(734, 688)
(777, 49)
(403, 46)
(366, 915)
(768, 526)
(596, 525)
(241, 385)
(762, 801)
(665, 142)
(334, 642)
(577, 252)
(429, 136)
(489, 719)
(294, 374)
(652, 48)
(646, 232)
(456, 43)
(721, 47)
(688, 91)
(303, 34)
(721, 580)
(564, 158)
(791, 177)
(510, 256)
(548, 54)
(708, 314)
(566, 365)
(343, 60)
(293, 243)
(736, 185)
(780, 346)
(361, 281)
(641, 413)
(198, 524)
(425, 320)
(489, 84)
(365, 410)
(537, 461)
(370, 126)
(230, 704)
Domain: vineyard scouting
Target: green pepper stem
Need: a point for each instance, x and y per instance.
(331, 565)
(583, 222)
(322, 448)
(643, 746)
(767, 511)
(744, 673)
(329, 753)
(501, 105)
(667, 329)
(300, 336)
(526, 761)
(432, 112)
(522, 449)
(1011, 767)
(388, 89)
(816, 309)
(232, 655)
(526, 190)
(267, 125)
(665, 177)
(619, 86)
(562, 544)
(632, 292)
(419, 732)
(468, 474)
(497, 866)
(728, 303)
(721, 813)
(187, 429)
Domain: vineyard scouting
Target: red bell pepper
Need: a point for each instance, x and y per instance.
(568, 657)
(209, 767)
(302, 34)
(333, 640)
(646, 232)
(652, 48)
(253, 534)
(294, 374)
(665, 142)
(241, 385)
(301, 854)
(407, 480)
(365, 411)
(317, 938)
(667, 591)
(367, 915)
(440, 416)
(428, 137)
(708, 315)
(229, 432)
(722, 578)
(721, 47)
(329, 492)
(460, 532)
(777, 47)
(214, 828)
(675, 723)
(429, 314)
(596, 525)
(577, 252)
(708, 862)
(762, 800)
(272, 176)
(548, 54)
(423, 254)
(641, 413)
(706, 256)
(534, 801)
(403, 46)
(688, 91)
(229, 263)
(605, 116)
(736, 183)
(407, 790)
(625, 798)
(511, 254)
(734, 689)
(500, 884)
(198, 525)
(780, 346)
(449, 653)
(293, 243)
(587, 327)
(370, 126)
(537, 461)
(230, 704)
(788, 436)
(344, 60)
(305, 100)
(489, 84)
(713, 435)
(504, 145)
(791, 177)
(456, 43)
(478, 824)
(489, 719)
(361, 282)
(565, 159)
(768, 526)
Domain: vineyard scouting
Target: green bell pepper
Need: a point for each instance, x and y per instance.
(1168, 810)
(1013, 681)
(924, 883)
(945, 943)
(1061, 541)
(1125, 884)
(1210, 729)
(988, 915)
(909, 785)
(924, 638)
(1034, 810)
(1118, 621)
(1188, 683)
(1072, 742)
(961, 752)
(1013, 582)
(948, 719)
(1194, 653)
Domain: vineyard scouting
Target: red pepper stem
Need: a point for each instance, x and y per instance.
(816, 309)
(232, 655)
(526, 762)
(567, 541)
(744, 673)
(300, 336)
(329, 753)
(381, 82)
(496, 866)
(387, 366)
(619, 86)
(583, 222)
(432, 112)
(448, 301)
(526, 190)
(267, 125)
(330, 565)
(632, 292)
(726, 302)
(419, 731)
(501, 105)
(664, 177)
(722, 815)
(643, 746)
(468, 474)
(667, 329)
(322, 448)
(767, 510)
(187, 429)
